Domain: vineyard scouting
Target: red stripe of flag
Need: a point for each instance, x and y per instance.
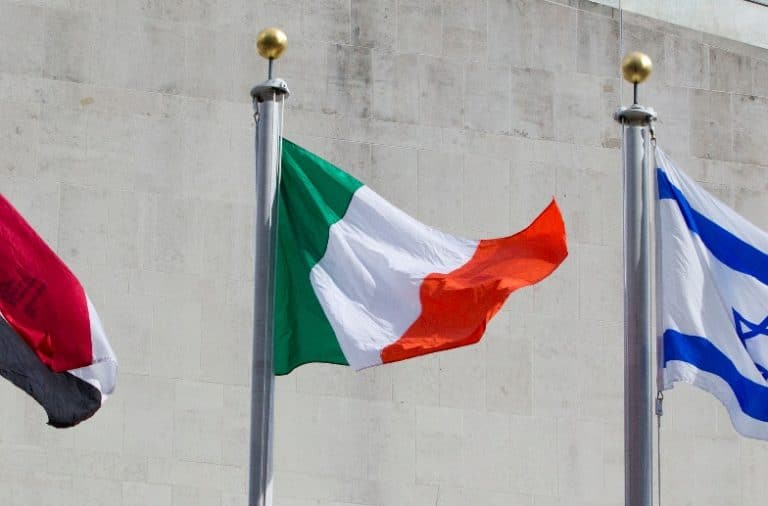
(40, 297)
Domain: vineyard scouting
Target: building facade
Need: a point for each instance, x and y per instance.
(126, 138)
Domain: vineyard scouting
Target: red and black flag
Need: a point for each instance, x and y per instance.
(52, 344)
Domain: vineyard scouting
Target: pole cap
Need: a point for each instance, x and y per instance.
(636, 67)
(271, 43)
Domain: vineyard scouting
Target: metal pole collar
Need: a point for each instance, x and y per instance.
(269, 89)
(635, 115)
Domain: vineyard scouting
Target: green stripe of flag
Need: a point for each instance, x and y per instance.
(314, 195)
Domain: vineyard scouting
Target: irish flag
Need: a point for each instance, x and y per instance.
(52, 344)
(361, 283)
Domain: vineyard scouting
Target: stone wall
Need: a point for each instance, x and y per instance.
(126, 139)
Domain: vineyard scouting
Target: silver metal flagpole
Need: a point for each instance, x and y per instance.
(268, 98)
(638, 330)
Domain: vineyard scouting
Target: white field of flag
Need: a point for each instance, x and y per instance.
(713, 299)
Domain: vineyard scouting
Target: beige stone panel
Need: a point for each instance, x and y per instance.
(485, 452)
(37, 201)
(21, 37)
(602, 386)
(440, 174)
(420, 27)
(748, 134)
(103, 437)
(148, 429)
(227, 330)
(465, 29)
(450, 496)
(559, 295)
(751, 204)
(711, 126)
(462, 377)
(174, 349)
(509, 350)
(584, 108)
(68, 45)
(326, 20)
(209, 64)
(730, 71)
(236, 424)
(439, 444)
(349, 85)
(394, 175)
(416, 381)
(19, 137)
(534, 441)
(532, 34)
(297, 486)
(146, 55)
(532, 103)
(557, 352)
(374, 23)
(136, 494)
(532, 186)
(600, 296)
(486, 179)
(760, 77)
(198, 415)
(195, 496)
(598, 44)
(580, 460)
(488, 100)
(688, 62)
(441, 92)
(323, 379)
(394, 97)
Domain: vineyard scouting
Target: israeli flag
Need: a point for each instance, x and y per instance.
(712, 299)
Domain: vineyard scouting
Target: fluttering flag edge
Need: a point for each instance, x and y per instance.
(550, 213)
(676, 371)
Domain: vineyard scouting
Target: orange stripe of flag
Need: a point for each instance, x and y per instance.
(457, 306)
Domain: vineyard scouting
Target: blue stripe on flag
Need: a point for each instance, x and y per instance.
(702, 354)
(726, 247)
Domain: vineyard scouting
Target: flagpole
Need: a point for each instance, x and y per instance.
(638, 331)
(268, 98)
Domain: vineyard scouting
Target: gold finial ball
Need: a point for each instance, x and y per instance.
(636, 67)
(271, 43)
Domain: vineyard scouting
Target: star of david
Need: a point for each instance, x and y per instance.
(752, 329)
(747, 330)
